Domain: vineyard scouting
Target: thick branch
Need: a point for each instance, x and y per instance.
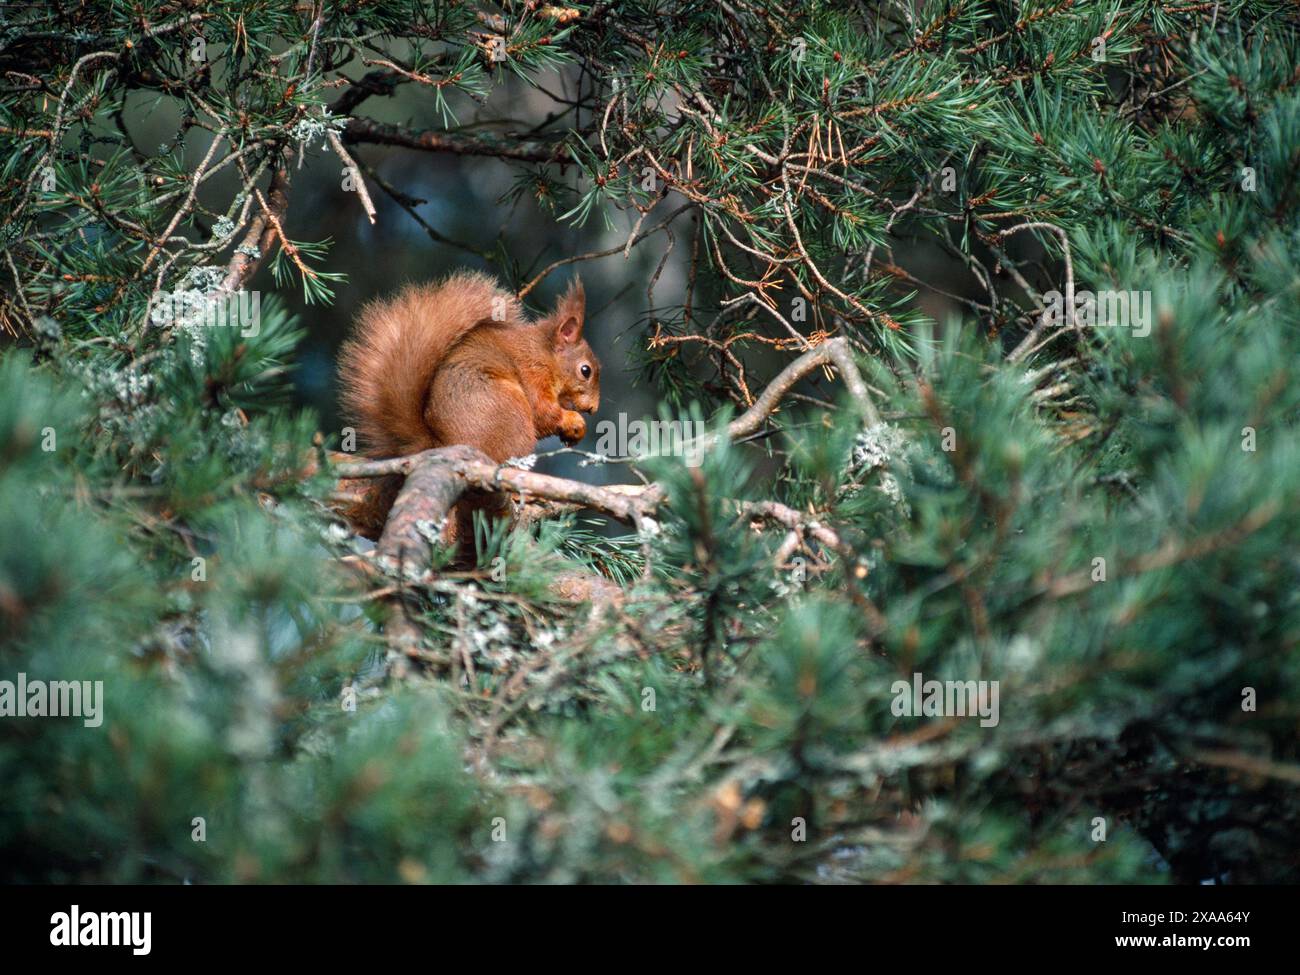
(470, 468)
(365, 130)
(432, 486)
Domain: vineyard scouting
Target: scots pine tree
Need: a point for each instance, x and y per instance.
(1052, 463)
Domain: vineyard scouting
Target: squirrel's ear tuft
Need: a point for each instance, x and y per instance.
(569, 314)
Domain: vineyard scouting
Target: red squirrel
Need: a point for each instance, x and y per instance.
(458, 362)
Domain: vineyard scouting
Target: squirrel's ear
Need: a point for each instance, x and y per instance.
(569, 314)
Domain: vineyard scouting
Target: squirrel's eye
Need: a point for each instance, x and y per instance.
(586, 371)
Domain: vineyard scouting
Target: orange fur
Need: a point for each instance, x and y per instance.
(432, 367)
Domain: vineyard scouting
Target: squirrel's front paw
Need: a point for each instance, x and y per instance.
(572, 427)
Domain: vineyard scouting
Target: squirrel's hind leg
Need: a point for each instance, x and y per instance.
(488, 412)
(491, 413)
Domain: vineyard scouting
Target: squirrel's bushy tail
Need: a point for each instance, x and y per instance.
(386, 366)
